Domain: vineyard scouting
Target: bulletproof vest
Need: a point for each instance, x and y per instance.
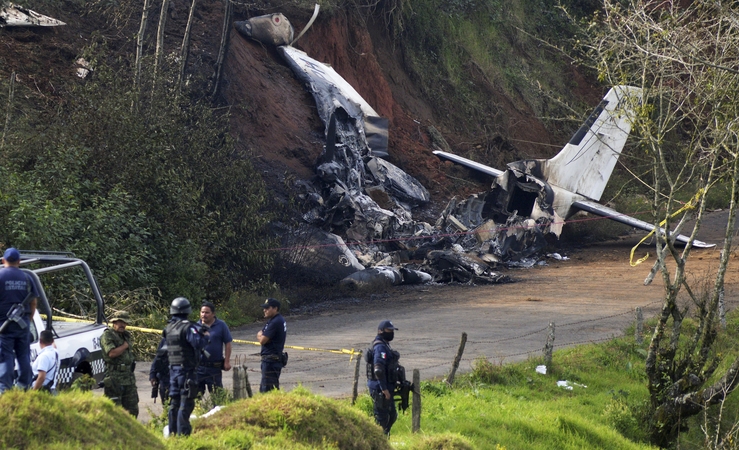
(392, 362)
(178, 349)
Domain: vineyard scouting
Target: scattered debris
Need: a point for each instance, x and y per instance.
(569, 385)
(541, 369)
(367, 200)
(12, 15)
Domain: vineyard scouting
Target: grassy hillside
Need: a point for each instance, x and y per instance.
(493, 407)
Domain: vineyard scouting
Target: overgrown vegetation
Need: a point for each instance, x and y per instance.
(494, 406)
(71, 420)
(682, 60)
(147, 188)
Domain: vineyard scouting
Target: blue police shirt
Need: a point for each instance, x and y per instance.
(276, 331)
(14, 287)
(219, 335)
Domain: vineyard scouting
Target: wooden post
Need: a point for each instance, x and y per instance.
(355, 387)
(416, 401)
(241, 387)
(457, 359)
(639, 331)
(246, 382)
(549, 346)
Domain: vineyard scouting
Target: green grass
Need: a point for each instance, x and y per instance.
(493, 407)
(72, 420)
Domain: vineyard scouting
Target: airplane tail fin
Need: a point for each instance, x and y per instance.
(585, 164)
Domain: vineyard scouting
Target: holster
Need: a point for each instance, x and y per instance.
(191, 388)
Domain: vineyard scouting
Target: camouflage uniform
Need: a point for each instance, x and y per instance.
(120, 381)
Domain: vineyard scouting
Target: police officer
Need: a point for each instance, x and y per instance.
(381, 378)
(272, 337)
(15, 287)
(120, 381)
(185, 341)
(159, 372)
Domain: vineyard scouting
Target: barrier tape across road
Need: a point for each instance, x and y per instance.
(341, 351)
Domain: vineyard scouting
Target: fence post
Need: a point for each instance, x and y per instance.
(241, 387)
(416, 402)
(549, 346)
(356, 377)
(455, 364)
(639, 331)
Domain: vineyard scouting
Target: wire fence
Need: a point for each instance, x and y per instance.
(332, 371)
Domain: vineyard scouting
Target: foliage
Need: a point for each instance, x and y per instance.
(71, 420)
(152, 196)
(683, 60)
(457, 51)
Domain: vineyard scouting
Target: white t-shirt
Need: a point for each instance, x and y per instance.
(48, 361)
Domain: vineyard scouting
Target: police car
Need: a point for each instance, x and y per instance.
(71, 306)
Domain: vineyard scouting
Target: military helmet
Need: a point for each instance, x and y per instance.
(180, 305)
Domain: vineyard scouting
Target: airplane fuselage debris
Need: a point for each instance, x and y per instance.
(360, 196)
(12, 15)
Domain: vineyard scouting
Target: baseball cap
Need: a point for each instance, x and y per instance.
(121, 316)
(12, 255)
(386, 324)
(271, 302)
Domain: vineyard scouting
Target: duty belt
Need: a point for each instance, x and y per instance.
(215, 365)
(271, 358)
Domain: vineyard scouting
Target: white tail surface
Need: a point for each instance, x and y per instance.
(585, 164)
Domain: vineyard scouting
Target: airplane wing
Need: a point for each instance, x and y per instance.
(604, 211)
(482, 168)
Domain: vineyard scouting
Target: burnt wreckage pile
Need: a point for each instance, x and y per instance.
(358, 196)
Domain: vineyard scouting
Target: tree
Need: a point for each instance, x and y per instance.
(684, 59)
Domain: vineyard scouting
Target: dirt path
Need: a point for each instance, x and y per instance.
(590, 297)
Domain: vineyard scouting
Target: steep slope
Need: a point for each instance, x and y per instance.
(275, 117)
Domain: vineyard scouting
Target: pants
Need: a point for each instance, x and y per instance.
(384, 409)
(14, 344)
(270, 376)
(180, 403)
(210, 377)
(122, 390)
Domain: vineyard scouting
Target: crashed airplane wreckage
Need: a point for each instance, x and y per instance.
(12, 15)
(368, 200)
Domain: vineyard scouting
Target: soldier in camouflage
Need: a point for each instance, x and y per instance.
(120, 381)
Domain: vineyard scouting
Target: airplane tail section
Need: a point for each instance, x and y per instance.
(585, 164)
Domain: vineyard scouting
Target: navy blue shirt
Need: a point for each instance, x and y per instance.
(14, 287)
(219, 335)
(276, 331)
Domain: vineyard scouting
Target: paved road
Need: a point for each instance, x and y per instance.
(590, 297)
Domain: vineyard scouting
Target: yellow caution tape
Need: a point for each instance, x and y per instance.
(689, 205)
(342, 351)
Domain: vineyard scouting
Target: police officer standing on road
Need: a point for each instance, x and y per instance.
(185, 341)
(210, 373)
(381, 377)
(272, 337)
(120, 382)
(15, 286)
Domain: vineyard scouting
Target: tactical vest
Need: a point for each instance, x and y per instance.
(392, 363)
(180, 351)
